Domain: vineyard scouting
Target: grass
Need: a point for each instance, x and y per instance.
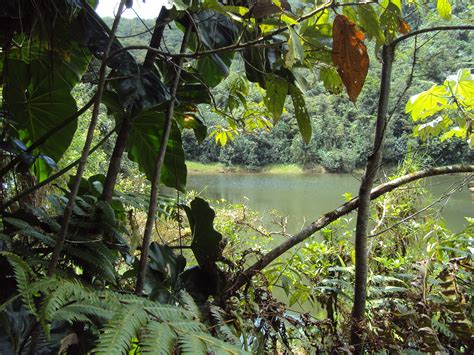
(196, 167)
(210, 168)
(283, 169)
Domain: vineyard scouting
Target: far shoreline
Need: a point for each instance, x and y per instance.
(290, 169)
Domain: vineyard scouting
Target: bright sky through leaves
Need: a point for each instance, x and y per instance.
(145, 9)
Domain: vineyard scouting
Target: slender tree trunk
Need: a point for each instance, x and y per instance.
(157, 170)
(363, 213)
(126, 125)
(116, 159)
(85, 151)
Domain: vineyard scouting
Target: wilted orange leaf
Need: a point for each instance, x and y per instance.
(404, 27)
(349, 54)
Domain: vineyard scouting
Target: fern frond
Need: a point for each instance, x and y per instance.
(66, 292)
(101, 265)
(191, 344)
(188, 326)
(24, 275)
(169, 313)
(27, 230)
(82, 312)
(223, 328)
(158, 338)
(203, 343)
(190, 304)
(116, 336)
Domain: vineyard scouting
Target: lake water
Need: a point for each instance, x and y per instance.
(305, 197)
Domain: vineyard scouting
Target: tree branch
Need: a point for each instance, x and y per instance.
(432, 29)
(342, 210)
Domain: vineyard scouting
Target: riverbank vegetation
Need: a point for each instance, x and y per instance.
(94, 120)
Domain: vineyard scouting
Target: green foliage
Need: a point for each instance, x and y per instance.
(453, 102)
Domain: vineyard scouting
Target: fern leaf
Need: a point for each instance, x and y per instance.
(158, 338)
(189, 304)
(191, 344)
(116, 336)
(27, 230)
(23, 276)
(224, 329)
(169, 313)
(82, 311)
(218, 346)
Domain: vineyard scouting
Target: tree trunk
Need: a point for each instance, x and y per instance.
(363, 212)
(157, 170)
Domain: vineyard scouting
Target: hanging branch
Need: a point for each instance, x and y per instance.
(86, 150)
(155, 182)
(333, 215)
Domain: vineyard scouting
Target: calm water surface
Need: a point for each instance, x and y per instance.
(307, 196)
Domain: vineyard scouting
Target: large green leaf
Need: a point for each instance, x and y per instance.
(206, 240)
(276, 90)
(144, 146)
(37, 107)
(301, 113)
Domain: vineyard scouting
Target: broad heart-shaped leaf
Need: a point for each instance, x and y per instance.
(349, 54)
(462, 85)
(37, 107)
(427, 103)
(206, 240)
(143, 146)
(444, 9)
(301, 113)
(276, 91)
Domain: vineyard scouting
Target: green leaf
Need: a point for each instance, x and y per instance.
(144, 145)
(369, 21)
(301, 113)
(206, 240)
(390, 20)
(37, 107)
(276, 91)
(427, 103)
(331, 80)
(295, 52)
(444, 9)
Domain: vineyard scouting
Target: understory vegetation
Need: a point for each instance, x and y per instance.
(98, 115)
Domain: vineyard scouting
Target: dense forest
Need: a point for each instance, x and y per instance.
(97, 116)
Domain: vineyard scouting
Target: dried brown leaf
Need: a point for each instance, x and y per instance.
(349, 54)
